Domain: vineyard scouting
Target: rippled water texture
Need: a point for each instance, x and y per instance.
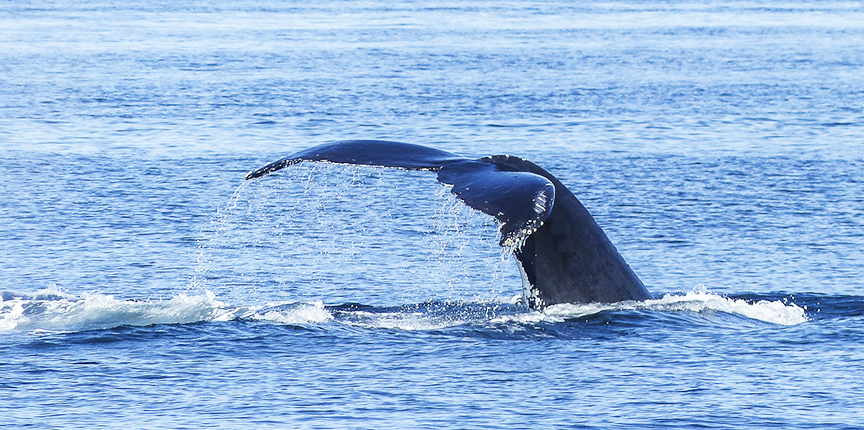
(145, 284)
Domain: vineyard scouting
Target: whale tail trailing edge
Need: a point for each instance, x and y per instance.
(564, 255)
(521, 201)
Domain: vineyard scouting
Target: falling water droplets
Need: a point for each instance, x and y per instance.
(336, 233)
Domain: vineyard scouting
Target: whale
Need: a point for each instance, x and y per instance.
(562, 253)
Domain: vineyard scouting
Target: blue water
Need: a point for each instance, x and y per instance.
(144, 284)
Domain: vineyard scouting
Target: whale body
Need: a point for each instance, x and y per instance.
(563, 255)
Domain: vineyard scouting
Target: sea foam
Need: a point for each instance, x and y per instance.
(53, 309)
(290, 313)
(697, 301)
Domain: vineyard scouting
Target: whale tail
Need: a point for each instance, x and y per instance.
(564, 256)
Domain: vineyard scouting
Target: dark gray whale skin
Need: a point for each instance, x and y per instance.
(564, 256)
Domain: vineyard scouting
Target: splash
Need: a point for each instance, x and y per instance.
(404, 321)
(697, 301)
(349, 234)
(290, 313)
(53, 309)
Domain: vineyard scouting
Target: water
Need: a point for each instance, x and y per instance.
(145, 285)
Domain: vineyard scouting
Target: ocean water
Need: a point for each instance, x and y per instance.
(145, 284)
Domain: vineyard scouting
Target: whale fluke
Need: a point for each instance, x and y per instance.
(564, 256)
(519, 200)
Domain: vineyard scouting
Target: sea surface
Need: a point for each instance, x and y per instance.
(144, 284)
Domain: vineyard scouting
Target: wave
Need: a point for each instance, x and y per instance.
(54, 310)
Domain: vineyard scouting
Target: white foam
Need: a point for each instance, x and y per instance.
(410, 321)
(292, 313)
(696, 301)
(56, 310)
